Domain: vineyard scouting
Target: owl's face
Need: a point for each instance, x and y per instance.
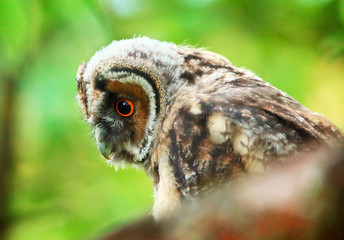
(122, 91)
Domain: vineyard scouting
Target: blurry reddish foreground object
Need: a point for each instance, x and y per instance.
(301, 200)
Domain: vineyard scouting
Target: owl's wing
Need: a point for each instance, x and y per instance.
(265, 100)
(239, 129)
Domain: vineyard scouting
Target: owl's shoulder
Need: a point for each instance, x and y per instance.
(247, 116)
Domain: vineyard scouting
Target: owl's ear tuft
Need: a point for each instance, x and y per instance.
(82, 97)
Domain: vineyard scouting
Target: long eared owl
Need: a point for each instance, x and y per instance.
(190, 118)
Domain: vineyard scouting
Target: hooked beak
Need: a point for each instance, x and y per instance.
(104, 149)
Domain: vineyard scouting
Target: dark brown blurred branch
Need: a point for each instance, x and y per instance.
(11, 80)
(6, 150)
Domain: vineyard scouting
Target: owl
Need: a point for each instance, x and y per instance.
(190, 118)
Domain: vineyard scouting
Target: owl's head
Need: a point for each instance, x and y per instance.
(123, 91)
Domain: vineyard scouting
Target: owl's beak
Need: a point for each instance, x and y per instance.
(104, 149)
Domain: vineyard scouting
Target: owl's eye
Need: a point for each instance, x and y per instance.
(124, 107)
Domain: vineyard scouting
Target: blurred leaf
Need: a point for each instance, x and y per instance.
(341, 10)
(13, 30)
(19, 28)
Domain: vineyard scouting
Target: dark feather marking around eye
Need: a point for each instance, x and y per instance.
(110, 100)
(146, 76)
(100, 83)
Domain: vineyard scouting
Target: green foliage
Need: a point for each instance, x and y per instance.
(62, 188)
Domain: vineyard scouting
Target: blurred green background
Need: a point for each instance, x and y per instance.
(54, 183)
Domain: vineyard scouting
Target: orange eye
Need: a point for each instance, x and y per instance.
(124, 107)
